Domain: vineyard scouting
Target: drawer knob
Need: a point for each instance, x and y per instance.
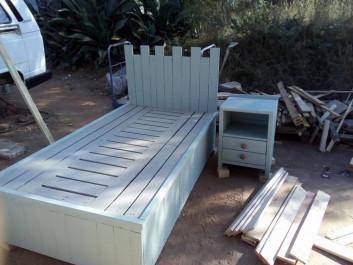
(243, 146)
(242, 156)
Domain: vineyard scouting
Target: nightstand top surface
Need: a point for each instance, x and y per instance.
(250, 104)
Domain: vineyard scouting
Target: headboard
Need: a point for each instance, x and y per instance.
(173, 82)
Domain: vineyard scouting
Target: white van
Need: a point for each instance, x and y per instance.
(23, 41)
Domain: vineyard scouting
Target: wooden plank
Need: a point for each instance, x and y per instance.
(107, 245)
(242, 216)
(106, 160)
(330, 145)
(74, 186)
(176, 93)
(129, 53)
(324, 136)
(334, 248)
(345, 240)
(262, 207)
(153, 77)
(351, 164)
(340, 107)
(60, 235)
(85, 176)
(25, 94)
(151, 189)
(326, 114)
(168, 82)
(303, 107)
(269, 214)
(122, 251)
(186, 83)
(283, 253)
(312, 99)
(146, 81)
(142, 132)
(138, 80)
(147, 127)
(340, 232)
(195, 78)
(269, 245)
(204, 83)
(213, 80)
(293, 112)
(311, 224)
(159, 54)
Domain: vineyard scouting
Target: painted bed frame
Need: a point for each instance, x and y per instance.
(85, 235)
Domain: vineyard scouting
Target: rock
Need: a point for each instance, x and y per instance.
(9, 150)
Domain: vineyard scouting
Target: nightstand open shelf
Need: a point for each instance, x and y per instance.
(246, 131)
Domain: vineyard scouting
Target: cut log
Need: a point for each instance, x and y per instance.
(270, 213)
(311, 224)
(293, 112)
(269, 246)
(283, 253)
(334, 248)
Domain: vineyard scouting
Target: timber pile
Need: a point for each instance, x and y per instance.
(303, 113)
(282, 221)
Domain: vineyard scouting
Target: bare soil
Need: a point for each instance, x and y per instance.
(75, 98)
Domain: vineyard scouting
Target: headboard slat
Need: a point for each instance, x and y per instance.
(173, 82)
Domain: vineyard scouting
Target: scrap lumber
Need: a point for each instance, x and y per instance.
(283, 253)
(330, 91)
(324, 136)
(262, 206)
(327, 114)
(314, 134)
(303, 107)
(234, 228)
(330, 145)
(345, 240)
(268, 215)
(311, 224)
(351, 165)
(340, 107)
(334, 248)
(293, 112)
(312, 99)
(269, 245)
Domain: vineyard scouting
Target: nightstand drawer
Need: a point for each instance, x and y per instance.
(244, 157)
(244, 144)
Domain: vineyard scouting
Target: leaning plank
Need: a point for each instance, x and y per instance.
(324, 136)
(351, 165)
(341, 232)
(269, 214)
(311, 224)
(283, 253)
(334, 248)
(293, 112)
(268, 247)
(232, 229)
(25, 94)
(303, 107)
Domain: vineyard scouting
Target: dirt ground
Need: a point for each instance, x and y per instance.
(75, 98)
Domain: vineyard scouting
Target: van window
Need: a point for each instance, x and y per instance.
(4, 18)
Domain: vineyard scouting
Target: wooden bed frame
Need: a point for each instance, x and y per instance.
(111, 192)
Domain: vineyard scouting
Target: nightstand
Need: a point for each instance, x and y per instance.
(247, 125)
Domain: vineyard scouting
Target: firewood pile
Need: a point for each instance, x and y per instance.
(308, 115)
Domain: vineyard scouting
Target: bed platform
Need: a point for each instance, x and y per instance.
(111, 192)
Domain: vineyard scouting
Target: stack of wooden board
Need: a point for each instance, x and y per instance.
(282, 220)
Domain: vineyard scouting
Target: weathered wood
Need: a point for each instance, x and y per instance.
(270, 244)
(25, 94)
(303, 107)
(334, 248)
(311, 224)
(268, 215)
(176, 93)
(314, 134)
(330, 145)
(283, 253)
(327, 113)
(293, 112)
(340, 107)
(312, 99)
(351, 164)
(324, 136)
(195, 78)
